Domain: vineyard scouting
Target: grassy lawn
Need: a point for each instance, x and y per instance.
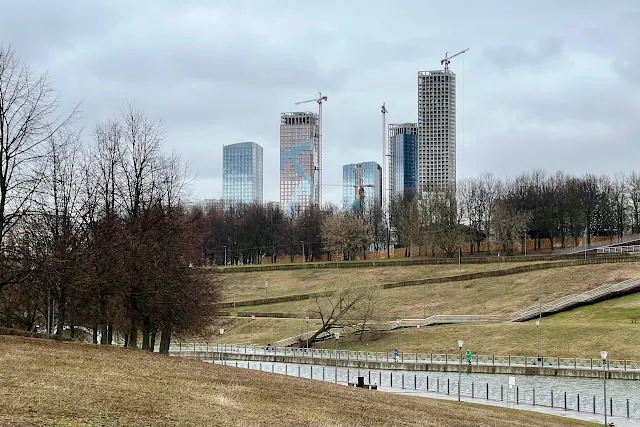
(581, 332)
(74, 385)
(495, 295)
(262, 331)
(245, 286)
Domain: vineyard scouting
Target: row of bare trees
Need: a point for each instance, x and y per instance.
(94, 235)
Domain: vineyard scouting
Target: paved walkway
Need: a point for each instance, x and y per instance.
(584, 416)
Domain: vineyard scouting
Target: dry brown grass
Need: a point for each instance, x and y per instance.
(245, 286)
(64, 384)
(494, 295)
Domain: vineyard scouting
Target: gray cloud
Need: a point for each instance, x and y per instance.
(545, 85)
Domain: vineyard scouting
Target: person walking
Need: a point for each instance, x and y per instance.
(469, 356)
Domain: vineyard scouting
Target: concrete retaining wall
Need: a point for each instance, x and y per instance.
(425, 367)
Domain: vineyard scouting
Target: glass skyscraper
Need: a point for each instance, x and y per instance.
(367, 174)
(299, 167)
(403, 158)
(242, 173)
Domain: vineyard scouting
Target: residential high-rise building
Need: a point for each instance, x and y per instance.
(242, 173)
(403, 158)
(436, 130)
(299, 161)
(367, 174)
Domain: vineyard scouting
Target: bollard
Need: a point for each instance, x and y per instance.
(552, 398)
(517, 395)
(311, 370)
(501, 393)
(578, 401)
(447, 385)
(236, 363)
(565, 400)
(487, 391)
(369, 377)
(427, 383)
(403, 380)
(391, 378)
(348, 376)
(380, 379)
(472, 390)
(594, 404)
(610, 406)
(415, 382)
(261, 366)
(627, 408)
(272, 367)
(323, 373)
(286, 369)
(298, 371)
(438, 385)
(534, 396)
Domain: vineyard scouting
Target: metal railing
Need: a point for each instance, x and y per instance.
(635, 249)
(205, 351)
(576, 299)
(614, 241)
(437, 319)
(569, 399)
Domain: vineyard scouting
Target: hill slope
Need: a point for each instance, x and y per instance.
(72, 385)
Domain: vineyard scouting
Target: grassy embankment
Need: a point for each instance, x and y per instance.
(568, 334)
(49, 384)
(246, 286)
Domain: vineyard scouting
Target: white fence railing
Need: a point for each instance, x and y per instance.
(615, 241)
(207, 351)
(576, 299)
(635, 249)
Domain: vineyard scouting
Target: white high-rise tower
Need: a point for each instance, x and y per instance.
(436, 130)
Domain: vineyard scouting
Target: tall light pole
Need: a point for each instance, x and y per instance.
(225, 254)
(307, 335)
(538, 339)
(418, 335)
(337, 335)
(303, 257)
(460, 344)
(603, 356)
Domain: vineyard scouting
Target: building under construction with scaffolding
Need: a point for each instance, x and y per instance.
(299, 161)
(362, 186)
(436, 130)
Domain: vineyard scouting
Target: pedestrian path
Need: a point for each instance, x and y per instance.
(584, 416)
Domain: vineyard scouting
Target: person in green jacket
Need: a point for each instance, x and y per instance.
(468, 354)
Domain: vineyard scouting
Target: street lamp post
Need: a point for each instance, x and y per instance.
(307, 334)
(603, 356)
(398, 325)
(418, 335)
(225, 254)
(337, 335)
(303, 257)
(460, 344)
(538, 339)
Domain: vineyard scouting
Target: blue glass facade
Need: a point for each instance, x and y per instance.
(242, 173)
(369, 174)
(405, 163)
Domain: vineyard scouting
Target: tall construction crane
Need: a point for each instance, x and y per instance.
(319, 100)
(385, 161)
(447, 59)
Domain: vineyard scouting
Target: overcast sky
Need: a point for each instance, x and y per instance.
(545, 84)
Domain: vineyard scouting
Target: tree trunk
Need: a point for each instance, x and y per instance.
(103, 334)
(153, 340)
(109, 334)
(146, 333)
(165, 339)
(62, 313)
(133, 330)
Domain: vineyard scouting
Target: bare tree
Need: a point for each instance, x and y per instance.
(28, 104)
(336, 310)
(345, 233)
(508, 224)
